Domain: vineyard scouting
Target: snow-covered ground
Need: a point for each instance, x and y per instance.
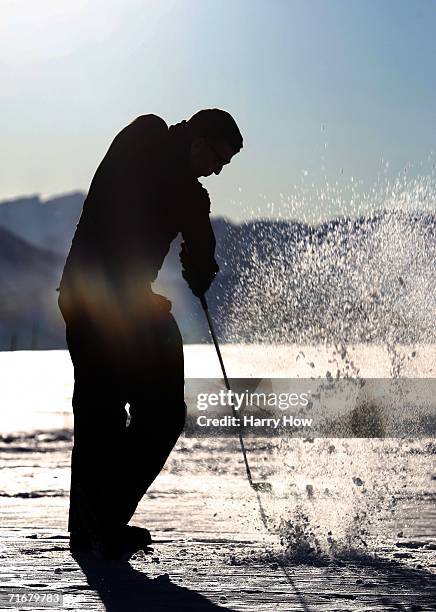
(347, 518)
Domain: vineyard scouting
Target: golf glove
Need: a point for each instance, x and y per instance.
(198, 278)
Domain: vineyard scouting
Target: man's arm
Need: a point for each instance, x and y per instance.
(197, 256)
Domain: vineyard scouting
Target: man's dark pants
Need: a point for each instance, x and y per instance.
(113, 463)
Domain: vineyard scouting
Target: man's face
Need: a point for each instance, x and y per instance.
(208, 157)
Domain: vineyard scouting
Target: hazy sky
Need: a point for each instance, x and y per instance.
(322, 90)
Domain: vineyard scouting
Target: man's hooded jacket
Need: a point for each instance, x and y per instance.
(142, 195)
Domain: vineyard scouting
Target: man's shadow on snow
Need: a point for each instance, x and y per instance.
(121, 587)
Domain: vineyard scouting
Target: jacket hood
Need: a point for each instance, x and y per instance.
(180, 145)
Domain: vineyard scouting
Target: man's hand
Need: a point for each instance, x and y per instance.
(198, 279)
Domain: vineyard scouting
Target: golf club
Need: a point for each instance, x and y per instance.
(257, 486)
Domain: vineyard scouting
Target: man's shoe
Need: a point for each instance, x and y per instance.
(119, 545)
(79, 542)
(141, 535)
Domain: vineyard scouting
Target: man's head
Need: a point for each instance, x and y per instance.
(215, 138)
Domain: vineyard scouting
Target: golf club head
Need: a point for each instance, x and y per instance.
(263, 487)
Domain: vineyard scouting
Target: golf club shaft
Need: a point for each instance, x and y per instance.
(226, 381)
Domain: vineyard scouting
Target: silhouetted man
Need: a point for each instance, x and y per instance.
(124, 343)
